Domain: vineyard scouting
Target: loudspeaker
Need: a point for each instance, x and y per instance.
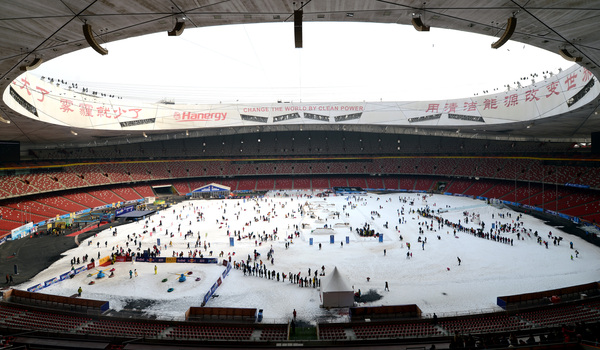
(298, 28)
(419, 25)
(34, 64)
(567, 56)
(508, 32)
(596, 142)
(89, 37)
(178, 29)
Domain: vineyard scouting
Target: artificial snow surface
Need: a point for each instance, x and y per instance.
(431, 279)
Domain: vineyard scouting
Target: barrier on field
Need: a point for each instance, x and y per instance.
(528, 299)
(220, 313)
(385, 312)
(216, 285)
(55, 301)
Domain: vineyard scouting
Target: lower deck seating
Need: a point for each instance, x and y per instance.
(274, 334)
(122, 328)
(400, 330)
(564, 314)
(332, 333)
(502, 323)
(210, 332)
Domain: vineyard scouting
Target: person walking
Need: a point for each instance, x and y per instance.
(387, 287)
(155, 269)
(294, 314)
(79, 291)
(458, 260)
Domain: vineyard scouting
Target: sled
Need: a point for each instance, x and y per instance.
(197, 278)
(92, 282)
(190, 272)
(170, 290)
(164, 280)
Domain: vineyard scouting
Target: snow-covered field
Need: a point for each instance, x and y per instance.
(432, 278)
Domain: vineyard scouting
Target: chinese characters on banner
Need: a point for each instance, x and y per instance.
(101, 113)
(512, 100)
(83, 109)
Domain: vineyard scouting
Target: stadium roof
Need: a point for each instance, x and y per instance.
(36, 29)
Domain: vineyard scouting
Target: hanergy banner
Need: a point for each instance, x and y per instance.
(41, 100)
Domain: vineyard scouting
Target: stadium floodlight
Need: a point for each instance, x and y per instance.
(564, 53)
(89, 37)
(508, 32)
(33, 65)
(417, 22)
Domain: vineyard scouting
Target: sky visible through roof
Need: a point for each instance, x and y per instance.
(338, 62)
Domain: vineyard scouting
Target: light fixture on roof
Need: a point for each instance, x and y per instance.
(5, 121)
(89, 37)
(417, 22)
(298, 28)
(511, 25)
(564, 53)
(144, 133)
(33, 65)
(73, 132)
(178, 28)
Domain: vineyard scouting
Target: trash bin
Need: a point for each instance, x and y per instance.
(260, 315)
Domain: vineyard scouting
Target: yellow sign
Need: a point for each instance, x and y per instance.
(103, 260)
(170, 260)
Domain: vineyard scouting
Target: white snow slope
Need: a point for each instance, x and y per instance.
(431, 279)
